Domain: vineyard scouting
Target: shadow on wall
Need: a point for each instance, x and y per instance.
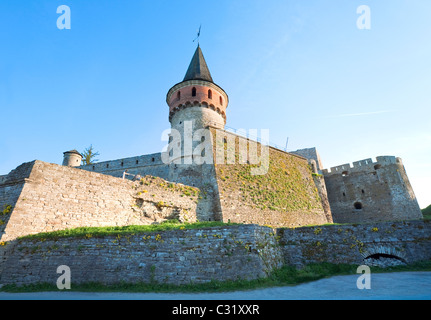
(11, 187)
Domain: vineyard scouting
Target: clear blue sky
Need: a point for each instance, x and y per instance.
(301, 69)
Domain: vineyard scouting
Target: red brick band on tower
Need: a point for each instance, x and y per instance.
(197, 89)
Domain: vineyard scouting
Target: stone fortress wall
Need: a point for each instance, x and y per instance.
(303, 196)
(150, 164)
(41, 197)
(284, 194)
(11, 187)
(378, 243)
(45, 197)
(310, 154)
(371, 191)
(363, 192)
(219, 253)
(294, 191)
(175, 257)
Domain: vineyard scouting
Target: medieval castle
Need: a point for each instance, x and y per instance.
(208, 174)
(368, 191)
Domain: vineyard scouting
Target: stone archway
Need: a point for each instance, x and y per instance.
(384, 256)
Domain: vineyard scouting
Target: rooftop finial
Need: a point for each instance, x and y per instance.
(199, 34)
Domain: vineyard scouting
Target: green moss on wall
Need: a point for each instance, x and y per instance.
(287, 186)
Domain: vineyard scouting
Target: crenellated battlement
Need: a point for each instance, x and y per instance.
(362, 165)
(368, 190)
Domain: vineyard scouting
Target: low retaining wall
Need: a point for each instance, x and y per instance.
(175, 257)
(408, 241)
(201, 255)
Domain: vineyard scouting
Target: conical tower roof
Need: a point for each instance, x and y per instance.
(198, 69)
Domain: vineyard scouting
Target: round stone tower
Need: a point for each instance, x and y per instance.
(197, 98)
(196, 104)
(72, 158)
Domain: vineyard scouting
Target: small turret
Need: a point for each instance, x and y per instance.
(72, 158)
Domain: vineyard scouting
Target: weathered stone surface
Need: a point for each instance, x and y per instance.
(178, 257)
(371, 191)
(219, 253)
(286, 195)
(47, 197)
(143, 165)
(407, 241)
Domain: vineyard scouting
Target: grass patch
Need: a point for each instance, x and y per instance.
(83, 232)
(427, 212)
(286, 276)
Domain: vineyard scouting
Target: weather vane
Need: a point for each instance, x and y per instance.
(199, 34)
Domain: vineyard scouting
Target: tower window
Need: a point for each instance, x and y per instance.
(221, 100)
(179, 95)
(210, 94)
(345, 173)
(194, 92)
